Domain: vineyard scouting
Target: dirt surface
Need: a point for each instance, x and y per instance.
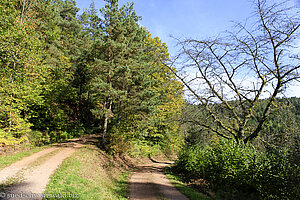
(149, 183)
(28, 178)
(22, 164)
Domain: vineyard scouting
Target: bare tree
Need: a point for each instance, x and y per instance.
(229, 75)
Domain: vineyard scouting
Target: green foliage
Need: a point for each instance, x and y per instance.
(240, 167)
(64, 75)
(280, 128)
(162, 125)
(39, 138)
(35, 69)
(118, 141)
(21, 70)
(131, 96)
(144, 149)
(118, 60)
(58, 25)
(180, 185)
(7, 139)
(278, 177)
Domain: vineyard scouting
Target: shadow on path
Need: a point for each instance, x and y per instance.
(149, 182)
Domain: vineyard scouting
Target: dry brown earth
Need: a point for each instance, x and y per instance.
(149, 183)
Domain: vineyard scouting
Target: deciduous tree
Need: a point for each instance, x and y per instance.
(228, 75)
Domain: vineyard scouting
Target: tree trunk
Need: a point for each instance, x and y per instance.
(11, 99)
(105, 126)
(23, 10)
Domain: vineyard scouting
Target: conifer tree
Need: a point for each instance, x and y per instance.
(119, 66)
(60, 30)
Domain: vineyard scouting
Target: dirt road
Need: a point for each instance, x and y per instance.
(149, 183)
(28, 178)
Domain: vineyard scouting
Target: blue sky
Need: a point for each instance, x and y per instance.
(188, 18)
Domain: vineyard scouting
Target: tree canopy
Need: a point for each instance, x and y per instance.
(64, 75)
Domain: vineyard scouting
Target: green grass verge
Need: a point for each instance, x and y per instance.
(89, 174)
(183, 188)
(12, 158)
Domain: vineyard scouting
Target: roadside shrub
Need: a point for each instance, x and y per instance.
(39, 138)
(240, 167)
(278, 177)
(6, 139)
(117, 142)
(59, 136)
(144, 149)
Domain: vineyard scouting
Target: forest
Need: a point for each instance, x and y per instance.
(64, 75)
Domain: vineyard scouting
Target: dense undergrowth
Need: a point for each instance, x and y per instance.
(240, 171)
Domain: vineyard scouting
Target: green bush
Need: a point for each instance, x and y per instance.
(240, 167)
(39, 138)
(59, 136)
(144, 149)
(278, 177)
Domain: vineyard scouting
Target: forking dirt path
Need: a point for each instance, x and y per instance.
(28, 178)
(149, 183)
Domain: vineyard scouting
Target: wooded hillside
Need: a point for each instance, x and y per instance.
(219, 104)
(64, 75)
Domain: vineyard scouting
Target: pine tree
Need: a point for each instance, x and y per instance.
(119, 66)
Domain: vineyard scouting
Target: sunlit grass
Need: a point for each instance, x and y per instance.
(89, 174)
(12, 158)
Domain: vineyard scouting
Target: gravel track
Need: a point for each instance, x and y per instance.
(149, 183)
(34, 179)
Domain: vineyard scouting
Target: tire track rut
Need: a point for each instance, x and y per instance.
(34, 179)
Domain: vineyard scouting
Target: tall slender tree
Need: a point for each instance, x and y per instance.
(119, 64)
